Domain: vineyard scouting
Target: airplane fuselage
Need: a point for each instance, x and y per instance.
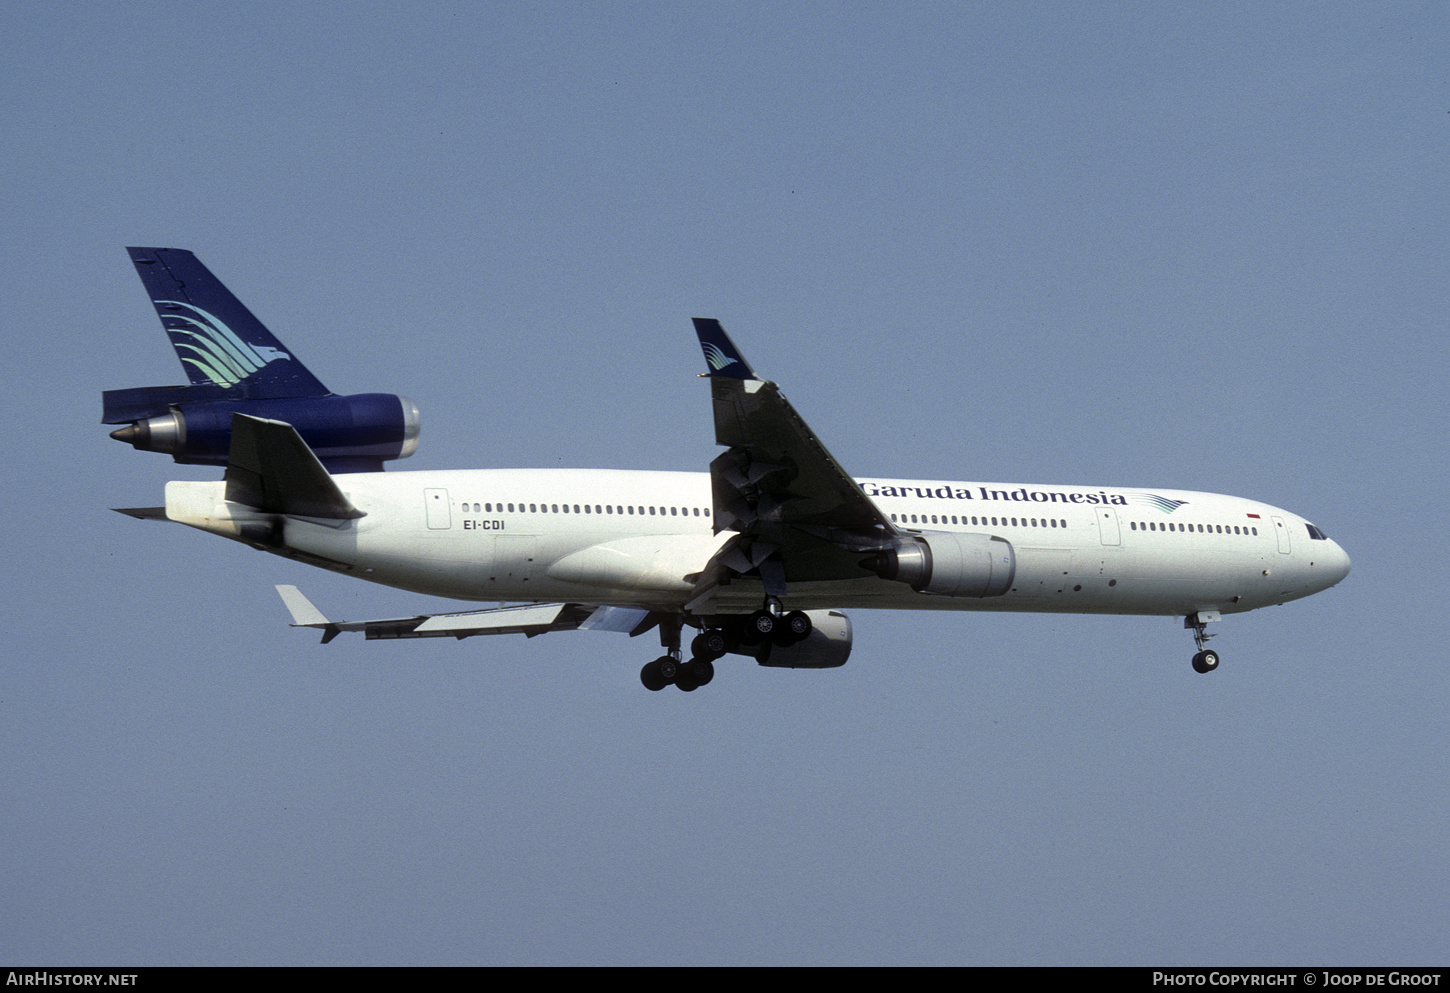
(640, 538)
(758, 554)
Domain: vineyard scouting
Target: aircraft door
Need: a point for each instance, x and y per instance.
(440, 515)
(1108, 526)
(1281, 531)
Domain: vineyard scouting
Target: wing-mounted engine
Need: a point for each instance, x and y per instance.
(948, 563)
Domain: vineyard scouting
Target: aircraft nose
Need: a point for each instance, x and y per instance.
(1338, 563)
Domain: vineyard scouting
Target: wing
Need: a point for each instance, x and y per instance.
(799, 515)
(531, 620)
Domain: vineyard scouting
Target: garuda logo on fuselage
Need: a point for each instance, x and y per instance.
(1160, 502)
(206, 344)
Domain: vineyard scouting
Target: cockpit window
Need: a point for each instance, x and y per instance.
(1315, 533)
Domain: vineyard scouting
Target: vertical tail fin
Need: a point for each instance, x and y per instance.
(218, 340)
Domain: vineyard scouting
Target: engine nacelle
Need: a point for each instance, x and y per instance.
(948, 563)
(348, 433)
(826, 647)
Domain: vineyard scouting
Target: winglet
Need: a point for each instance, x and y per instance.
(721, 355)
(305, 615)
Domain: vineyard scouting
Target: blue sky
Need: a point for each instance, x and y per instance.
(1196, 246)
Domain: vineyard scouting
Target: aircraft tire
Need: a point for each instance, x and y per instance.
(651, 677)
(795, 626)
(758, 627)
(702, 671)
(686, 683)
(708, 645)
(1205, 661)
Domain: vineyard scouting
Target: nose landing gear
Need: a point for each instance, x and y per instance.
(1206, 660)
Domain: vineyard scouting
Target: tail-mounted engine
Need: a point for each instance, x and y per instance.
(949, 564)
(349, 433)
(237, 366)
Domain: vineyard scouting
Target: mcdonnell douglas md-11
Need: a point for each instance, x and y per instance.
(757, 556)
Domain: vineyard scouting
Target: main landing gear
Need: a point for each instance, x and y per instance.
(732, 634)
(769, 624)
(689, 676)
(667, 669)
(1207, 659)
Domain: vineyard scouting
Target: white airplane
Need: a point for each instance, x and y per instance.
(759, 554)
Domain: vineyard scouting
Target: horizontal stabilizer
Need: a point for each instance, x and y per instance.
(139, 403)
(271, 468)
(143, 513)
